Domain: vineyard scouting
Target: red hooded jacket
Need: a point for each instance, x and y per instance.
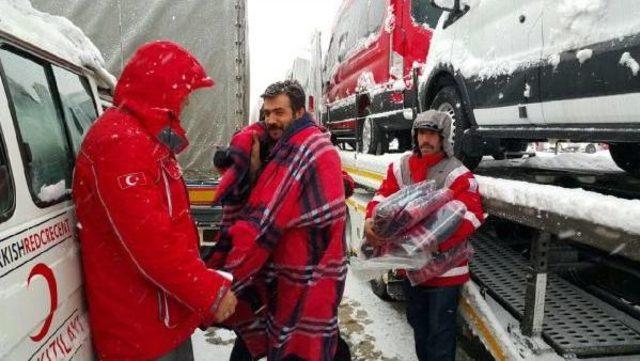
(146, 286)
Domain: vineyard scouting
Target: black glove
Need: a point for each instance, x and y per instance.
(221, 158)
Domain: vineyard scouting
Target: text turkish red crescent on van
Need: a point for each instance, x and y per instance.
(34, 242)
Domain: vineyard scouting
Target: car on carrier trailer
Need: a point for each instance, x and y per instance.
(513, 72)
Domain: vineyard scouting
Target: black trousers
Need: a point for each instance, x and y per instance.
(432, 313)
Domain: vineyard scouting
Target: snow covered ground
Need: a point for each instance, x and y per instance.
(375, 330)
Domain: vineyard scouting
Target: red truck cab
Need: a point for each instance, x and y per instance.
(369, 69)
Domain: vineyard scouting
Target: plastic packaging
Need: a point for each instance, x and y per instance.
(435, 229)
(388, 210)
(441, 263)
(413, 249)
(419, 209)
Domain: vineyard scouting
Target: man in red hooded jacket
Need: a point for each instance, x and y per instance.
(146, 286)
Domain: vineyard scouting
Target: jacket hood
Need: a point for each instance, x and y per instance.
(156, 81)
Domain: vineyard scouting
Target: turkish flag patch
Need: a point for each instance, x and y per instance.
(132, 180)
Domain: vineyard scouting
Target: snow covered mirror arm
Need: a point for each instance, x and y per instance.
(446, 5)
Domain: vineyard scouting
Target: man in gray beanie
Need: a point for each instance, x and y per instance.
(432, 304)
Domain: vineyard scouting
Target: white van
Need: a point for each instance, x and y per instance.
(519, 71)
(49, 75)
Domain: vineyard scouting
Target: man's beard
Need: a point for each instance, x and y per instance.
(275, 132)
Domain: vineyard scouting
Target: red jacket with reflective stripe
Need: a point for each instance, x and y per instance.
(146, 287)
(465, 189)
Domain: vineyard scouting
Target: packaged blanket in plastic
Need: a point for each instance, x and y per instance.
(435, 229)
(417, 210)
(441, 263)
(413, 249)
(388, 210)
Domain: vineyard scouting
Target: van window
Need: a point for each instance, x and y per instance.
(337, 40)
(7, 195)
(347, 30)
(77, 104)
(377, 11)
(45, 149)
(423, 13)
(356, 23)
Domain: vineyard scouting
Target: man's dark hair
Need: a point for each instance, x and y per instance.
(290, 88)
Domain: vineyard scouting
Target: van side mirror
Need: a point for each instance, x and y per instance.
(446, 5)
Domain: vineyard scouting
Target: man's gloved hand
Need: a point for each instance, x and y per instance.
(221, 159)
(372, 237)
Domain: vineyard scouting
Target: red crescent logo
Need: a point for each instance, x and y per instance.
(43, 270)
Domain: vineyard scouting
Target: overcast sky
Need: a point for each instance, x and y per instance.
(280, 31)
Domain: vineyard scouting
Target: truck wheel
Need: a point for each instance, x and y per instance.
(379, 288)
(404, 140)
(626, 156)
(511, 146)
(371, 138)
(516, 146)
(334, 140)
(448, 100)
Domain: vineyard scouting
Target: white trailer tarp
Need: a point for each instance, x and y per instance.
(213, 30)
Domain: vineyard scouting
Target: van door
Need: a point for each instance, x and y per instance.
(499, 56)
(43, 311)
(592, 50)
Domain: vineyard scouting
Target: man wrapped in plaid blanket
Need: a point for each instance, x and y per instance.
(287, 240)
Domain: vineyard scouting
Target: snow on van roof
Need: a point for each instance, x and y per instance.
(54, 34)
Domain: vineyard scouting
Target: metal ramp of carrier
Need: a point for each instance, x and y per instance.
(575, 322)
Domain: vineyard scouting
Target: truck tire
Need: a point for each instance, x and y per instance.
(405, 141)
(626, 156)
(512, 146)
(372, 138)
(448, 100)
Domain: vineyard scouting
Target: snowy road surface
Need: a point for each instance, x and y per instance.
(375, 330)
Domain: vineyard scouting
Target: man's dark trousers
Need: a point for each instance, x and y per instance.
(432, 313)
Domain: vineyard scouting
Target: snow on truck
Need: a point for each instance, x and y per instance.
(55, 83)
(376, 50)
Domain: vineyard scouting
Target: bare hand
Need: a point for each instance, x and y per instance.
(227, 307)
(375, 240)
(255, 157)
